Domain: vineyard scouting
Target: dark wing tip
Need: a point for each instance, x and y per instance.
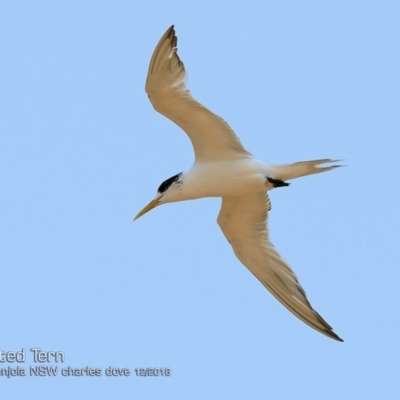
(170, 33)
(328, 329)
(336, 337)
(333, 335)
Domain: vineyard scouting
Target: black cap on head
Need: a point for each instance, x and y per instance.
(167, 183)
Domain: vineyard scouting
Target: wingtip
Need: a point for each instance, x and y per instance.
(327, 329)
(170, 32)
(333, 335)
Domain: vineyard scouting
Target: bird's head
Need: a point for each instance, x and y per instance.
(167, 192)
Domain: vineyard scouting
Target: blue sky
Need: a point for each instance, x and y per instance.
(82, 151)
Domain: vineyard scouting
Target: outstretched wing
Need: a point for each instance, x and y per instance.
(211, 136)
(243, 222)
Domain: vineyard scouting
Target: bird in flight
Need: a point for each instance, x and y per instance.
(224, 168)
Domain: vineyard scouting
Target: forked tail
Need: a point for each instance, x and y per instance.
(303, 168)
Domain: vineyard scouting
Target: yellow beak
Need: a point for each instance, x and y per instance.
(154, 203)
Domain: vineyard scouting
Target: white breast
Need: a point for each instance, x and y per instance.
(225, 178)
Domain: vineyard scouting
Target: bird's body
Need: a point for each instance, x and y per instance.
(224, 168)
(223, 179)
